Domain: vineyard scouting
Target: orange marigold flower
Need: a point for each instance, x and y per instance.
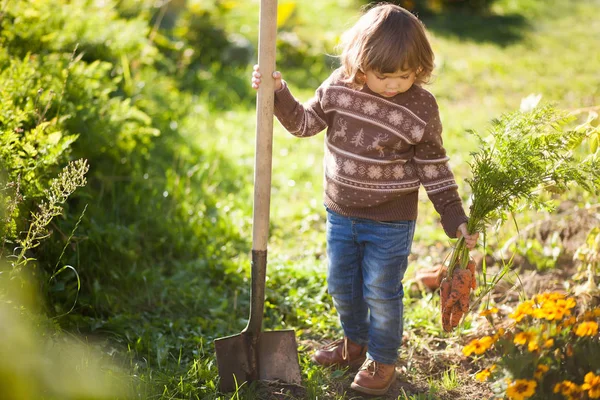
(591, 383)
(549, 343)
(489, 311)
(551, 312)
(590, 315)
(478, 346)
(570, 303)
(587, 328)
(487, 341)
(569, 321)
(533, 345)
(540, 371)
(557, 387)
(567, 388)
(498, 334)
(523, 337)
(587, 315)
(552, 306)
(483, 375)
(553, 295)
(521, 389)
(523, 309)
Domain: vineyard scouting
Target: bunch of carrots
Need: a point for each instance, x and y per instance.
(454, 293)
(527, 151)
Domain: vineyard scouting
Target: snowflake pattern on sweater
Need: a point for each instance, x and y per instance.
(378, 151)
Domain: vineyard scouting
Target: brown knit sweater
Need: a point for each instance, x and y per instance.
(378, 151)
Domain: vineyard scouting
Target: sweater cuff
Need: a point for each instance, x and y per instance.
(453, 217)
(284, 100)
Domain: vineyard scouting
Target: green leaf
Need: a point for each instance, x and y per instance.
(54, 138)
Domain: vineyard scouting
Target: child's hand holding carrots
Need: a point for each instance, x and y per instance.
(470, 238)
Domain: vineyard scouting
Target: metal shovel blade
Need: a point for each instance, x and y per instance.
(273, 357)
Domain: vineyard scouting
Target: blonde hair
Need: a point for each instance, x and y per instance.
(386, 39)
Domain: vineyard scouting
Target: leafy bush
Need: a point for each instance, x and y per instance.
(151, 198)
(547, 353)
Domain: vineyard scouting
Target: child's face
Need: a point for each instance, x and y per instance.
(390, 84)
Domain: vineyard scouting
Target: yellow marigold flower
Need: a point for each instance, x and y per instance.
(557, 387)
(533, 345)
(587, 328)
(499, 334)
(489, 311)
(540, 297)
(483, 376)
(551, 312)
(567, 388)
(478, 346)
(587, 315)
(555, 296)
(487, 342)
(552, 306)
(590, 315)
(523, 337)
(540, 371)
(549, 343)
(523, 309)
(591, 383)
(521, 389)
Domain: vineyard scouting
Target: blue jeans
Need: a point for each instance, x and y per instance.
(367, 261)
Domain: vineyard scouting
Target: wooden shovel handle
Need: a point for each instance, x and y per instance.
(264, 123)
(263, 160)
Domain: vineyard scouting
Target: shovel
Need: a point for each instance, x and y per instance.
(253, 354)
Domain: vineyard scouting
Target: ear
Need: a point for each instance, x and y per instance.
(360, 76)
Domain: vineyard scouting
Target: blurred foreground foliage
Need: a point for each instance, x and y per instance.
(53, 365)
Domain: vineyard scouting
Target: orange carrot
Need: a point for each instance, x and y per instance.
(445, 288)
(471, 265)
(461, 288)
(456, 316)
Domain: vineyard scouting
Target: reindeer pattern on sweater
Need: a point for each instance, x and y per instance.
(378, 151)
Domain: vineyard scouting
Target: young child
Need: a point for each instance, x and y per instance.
(383, 141)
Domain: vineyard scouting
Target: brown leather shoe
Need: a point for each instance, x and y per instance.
(342, 352)
(374, 378)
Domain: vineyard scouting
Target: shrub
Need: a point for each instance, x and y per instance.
(547, 352)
